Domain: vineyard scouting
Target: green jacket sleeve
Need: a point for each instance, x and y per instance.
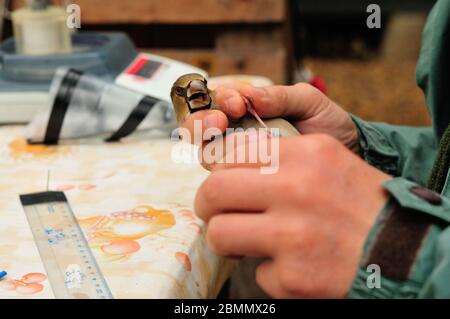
(410, 242)
(398, 150)
(413, 257)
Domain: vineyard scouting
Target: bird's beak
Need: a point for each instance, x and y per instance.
(197, 94)
(196, 89)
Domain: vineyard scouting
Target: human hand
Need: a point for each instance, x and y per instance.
(308, 109)
(311, 218)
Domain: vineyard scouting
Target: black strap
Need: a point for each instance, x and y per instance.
(60, 106)
(42, 197)
(134, 119)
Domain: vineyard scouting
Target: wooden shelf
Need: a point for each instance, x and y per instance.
(178, 11)
(241, 36)
(181, 11)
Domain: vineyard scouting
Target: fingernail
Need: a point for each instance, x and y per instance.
(231, 103)
(260, 91)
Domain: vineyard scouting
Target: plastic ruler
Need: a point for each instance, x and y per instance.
(71, 267)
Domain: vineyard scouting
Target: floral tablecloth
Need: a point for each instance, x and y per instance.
(134, 203)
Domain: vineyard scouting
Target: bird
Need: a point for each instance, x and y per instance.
(190, 94)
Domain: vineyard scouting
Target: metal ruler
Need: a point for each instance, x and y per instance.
(71, 267)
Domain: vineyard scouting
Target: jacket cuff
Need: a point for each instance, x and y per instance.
(398, 253)
(413, 196)
(375, 148)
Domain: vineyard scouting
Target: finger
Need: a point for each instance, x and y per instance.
(232, 190)
(252, 149)
(268, 280)
(300, 101)
(201, 126)
(230, 101)
(236, 149)
(255, 150)
(224, 85)
(241, 234)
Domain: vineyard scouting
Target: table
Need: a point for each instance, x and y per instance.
(158, 252)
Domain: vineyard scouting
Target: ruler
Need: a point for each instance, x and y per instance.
(71, 267)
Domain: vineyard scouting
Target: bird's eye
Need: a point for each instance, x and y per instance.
(179, 91)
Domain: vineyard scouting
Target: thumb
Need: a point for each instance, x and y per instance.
(201, 126)
(299, 102)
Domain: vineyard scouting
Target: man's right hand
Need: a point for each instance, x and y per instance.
(308, 109)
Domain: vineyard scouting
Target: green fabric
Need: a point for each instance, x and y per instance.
(437, 285)
(388, 288)
(433, 68)
(440, 169)
(408, 153)
(398, 150)
(399, 188)
(420, 283)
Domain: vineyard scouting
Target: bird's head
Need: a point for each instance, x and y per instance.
(189, 94)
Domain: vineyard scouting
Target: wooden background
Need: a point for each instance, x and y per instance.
(255, 37)
(221, 36)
